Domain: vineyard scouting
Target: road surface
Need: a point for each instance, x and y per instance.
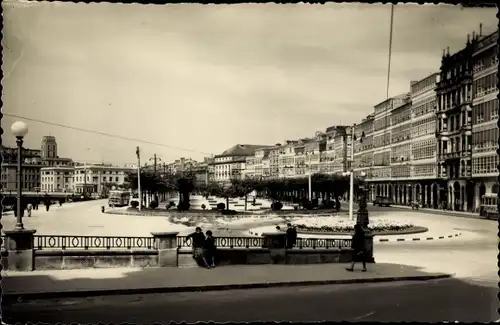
(434, 301)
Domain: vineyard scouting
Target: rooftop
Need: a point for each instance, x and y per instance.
(242, 150)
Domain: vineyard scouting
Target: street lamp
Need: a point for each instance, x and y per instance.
(19, 130)
(362, 214)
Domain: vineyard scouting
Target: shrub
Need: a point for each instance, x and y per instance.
(307, 205)
(153, 204)
(183, 206)
(134, 204)
(170, 204)
(276, 206)
(203, 206)
(229, 212)
(221, 206)
(327, 205)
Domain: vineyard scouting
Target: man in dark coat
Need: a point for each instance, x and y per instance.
(291, 236)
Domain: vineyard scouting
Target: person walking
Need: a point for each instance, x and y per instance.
(47, 202)
(358, 246)
(291, 236)
(198, 243)
(210, 249)
(29, 208)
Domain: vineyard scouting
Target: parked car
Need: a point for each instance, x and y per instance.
(383, 201)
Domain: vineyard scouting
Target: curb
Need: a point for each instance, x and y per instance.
(419, 238)
(18, 297)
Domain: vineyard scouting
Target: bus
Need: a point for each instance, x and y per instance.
(489, 207)
(119, 198)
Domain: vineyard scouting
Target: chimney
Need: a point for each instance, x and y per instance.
(473, 36)
(448, 51)
(481, 29)
(444, 52)
(468, 38)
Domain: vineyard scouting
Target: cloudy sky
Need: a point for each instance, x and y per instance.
(205, 77)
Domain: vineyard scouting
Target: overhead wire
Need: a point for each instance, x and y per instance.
(110, 135)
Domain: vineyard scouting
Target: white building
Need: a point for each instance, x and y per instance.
(56, 179)
(97, 177)
(232, 162)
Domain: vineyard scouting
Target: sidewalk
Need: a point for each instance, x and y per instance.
(462, 214)
(101, 282)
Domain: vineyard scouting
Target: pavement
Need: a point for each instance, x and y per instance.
(46, 284)
(429, 301)
(463, 214)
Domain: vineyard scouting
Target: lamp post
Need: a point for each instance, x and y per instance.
(362, 214)
(19, 129)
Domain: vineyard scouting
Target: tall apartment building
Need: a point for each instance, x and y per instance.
(436, 144)
(454, 133)
(423, 141)
(363, 147)
(484, 116)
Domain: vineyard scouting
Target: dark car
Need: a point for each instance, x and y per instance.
(383, 201)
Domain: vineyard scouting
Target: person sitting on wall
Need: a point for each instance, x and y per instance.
(198, 243)
(210, 249)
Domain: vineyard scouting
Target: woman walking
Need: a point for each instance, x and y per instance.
(358, 246)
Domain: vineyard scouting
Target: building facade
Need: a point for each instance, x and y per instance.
(98, 178)
(435, 144)
(484, 117)
(232, 162)
(424, 171)
(56, 179)
(31, 163)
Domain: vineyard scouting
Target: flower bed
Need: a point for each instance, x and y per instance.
(338, 226)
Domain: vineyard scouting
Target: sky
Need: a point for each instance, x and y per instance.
(207, 77)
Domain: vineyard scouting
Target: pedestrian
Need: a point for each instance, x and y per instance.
(103, 208)
(47, 202)
(210, 249)
(29, 207)
(291, 236)
(198, 242)
(358, 247)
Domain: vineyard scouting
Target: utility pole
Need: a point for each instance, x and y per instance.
(155, 160)
(138, 153)
(85, 178)
(351, 189)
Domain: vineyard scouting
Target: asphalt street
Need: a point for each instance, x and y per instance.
(433, 301)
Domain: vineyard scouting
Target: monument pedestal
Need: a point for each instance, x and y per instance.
(276, 243)
(167, 248)
(19, 244)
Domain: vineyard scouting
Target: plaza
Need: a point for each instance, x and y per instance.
(470, 256)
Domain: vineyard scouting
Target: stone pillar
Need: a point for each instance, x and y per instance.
(276, 243)
(452, 199)
(431, 203)
(425, 199)
(166, 243)
(20, 253)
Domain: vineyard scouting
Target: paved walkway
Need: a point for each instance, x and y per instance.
(464, 214)
(88, 282)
